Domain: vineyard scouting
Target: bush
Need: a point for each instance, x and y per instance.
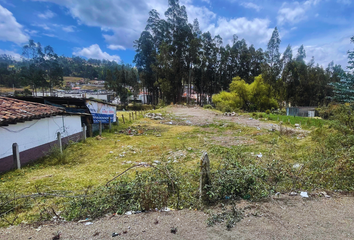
(268, 112)
(227, 108)
(208, 106)
(235, 180)
(226, 99)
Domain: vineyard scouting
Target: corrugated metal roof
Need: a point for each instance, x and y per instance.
(14, 110)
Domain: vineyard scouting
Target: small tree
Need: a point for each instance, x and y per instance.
(344, 89)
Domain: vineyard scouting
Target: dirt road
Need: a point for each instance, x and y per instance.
(283, 218)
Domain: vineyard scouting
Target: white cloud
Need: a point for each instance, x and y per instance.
(49, 35)
(68, 28)
(10, 29)
(46, 15)
(94, 51)
(251, 5)
(294, 12)
(116, 47)
(206, 1)
(15, 55)
(254, 31)
(204, 15)
(31, 32)
(42, 25)
(331, 47)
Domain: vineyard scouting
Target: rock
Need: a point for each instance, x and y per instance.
(258, 128)
(174, 230)
(297, 125)
(111, 152)
(304, 194)
(293, 194)
(88, 223)
(233, 114)
(250, 118)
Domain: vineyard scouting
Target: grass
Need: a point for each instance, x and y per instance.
(9, 90)
(87, 165)
(72, 79)
(305, 122)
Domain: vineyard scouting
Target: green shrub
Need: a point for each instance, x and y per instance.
(234, 180)
(208, 106)
(227, 108)
(268, 111)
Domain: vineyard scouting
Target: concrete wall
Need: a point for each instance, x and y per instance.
(36, 137)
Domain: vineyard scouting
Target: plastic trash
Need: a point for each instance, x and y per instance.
(115, 234)
(304, 194)
(88, 223)
(260, 155)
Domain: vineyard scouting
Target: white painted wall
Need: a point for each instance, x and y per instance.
(35, 133)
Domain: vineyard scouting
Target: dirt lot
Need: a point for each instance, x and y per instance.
(200, 116)
(282, 217)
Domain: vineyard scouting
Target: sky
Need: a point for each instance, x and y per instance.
(106, 29)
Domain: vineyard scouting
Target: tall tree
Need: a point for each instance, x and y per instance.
(272, 68)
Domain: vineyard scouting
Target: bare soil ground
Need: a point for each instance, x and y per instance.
(281, 217)
(200, 116)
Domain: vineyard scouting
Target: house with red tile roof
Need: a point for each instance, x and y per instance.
(34, 127)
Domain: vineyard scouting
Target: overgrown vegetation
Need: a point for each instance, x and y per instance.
(162, 163)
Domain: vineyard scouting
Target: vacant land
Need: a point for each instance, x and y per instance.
(179, 139)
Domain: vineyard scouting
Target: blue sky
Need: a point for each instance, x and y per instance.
(106, 29)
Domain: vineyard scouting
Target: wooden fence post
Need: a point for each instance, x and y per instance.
(100, 128)
(130, 117)
(135, 115)
(117, 121)
(84, 132)
(16, 156)
(123, 118)
(59, 142)
(204, 177)
(110, 124)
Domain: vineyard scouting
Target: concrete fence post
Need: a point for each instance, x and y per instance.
(84, 132)
(204, 177)
(130, 117)
(59, 142)
(16, 156)
(123, 118)
(110, 124)
(100, 128)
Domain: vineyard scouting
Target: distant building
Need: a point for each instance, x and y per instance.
(34, 127)
(301, 111)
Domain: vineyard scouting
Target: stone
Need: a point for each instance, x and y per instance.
(293, 194)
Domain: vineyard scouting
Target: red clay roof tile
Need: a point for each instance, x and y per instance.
(14, 110)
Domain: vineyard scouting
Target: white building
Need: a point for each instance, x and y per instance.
(34, 127)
